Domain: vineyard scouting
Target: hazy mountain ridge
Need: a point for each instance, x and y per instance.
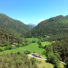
(31, 25)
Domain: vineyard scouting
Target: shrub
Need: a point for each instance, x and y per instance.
(33, 41)
(57, 65)
(66, 66)
(26, 52)
(1, 49)
(52, 58)
(9, 47)
(25, 43)
(39, 43)
(16, 60)
(33, 60)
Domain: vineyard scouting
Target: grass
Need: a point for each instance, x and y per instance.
(31, 39)
(46, 43)
(44, 64)
(33, 47)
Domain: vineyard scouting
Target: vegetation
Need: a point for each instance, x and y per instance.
(61, 47)
(66, 66)
(49, 39)
(54, 26)
(54, 30)
(32, 48)
(31, 25)
(11, 28)
(9, 37)
(16, 60)
(52, 57)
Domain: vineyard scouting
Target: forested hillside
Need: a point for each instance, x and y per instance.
(7, 36)
(54, 26)
(13, 25)
(11, 30)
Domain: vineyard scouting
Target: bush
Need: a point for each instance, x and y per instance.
(52, 58)
(58, 56)
(39, 43)
(33, 60)
(57, 65)
(25, 43)
(1, 49)
(66, 66)
(26, 52)
(9, 47)
(33, 41)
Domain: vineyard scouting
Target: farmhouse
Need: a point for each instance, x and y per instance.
(36, 55)
(14, 44)
(46, 36)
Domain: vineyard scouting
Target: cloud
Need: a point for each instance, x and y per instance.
(39, 20)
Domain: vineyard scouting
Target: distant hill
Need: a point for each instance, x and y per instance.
(13, 25)
(54, 26)
(31, 25)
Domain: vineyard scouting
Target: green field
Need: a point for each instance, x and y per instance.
(32, 47)
(46, 43)
(31, 39)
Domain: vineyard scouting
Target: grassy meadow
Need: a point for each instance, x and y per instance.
(33, 47)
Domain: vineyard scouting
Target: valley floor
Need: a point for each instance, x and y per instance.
(34, 48)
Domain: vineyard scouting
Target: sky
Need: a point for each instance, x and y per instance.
(33, 11)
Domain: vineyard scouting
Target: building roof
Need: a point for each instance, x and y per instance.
(36, 54)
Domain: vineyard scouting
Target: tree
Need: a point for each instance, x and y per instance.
(66, 66)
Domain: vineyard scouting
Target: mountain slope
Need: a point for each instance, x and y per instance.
(53, 26)
(13, 25)
(8, 37)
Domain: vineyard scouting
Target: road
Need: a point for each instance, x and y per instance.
(37, 57)
(42, 58)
